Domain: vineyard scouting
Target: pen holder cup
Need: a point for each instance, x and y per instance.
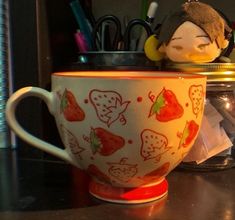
(112, 60)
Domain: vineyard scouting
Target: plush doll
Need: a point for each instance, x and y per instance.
(195, 32)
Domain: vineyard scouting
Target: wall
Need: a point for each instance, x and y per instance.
(132, 8)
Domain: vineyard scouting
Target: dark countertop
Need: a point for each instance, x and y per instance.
(46, 189)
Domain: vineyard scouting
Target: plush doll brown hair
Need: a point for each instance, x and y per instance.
(194, 32)
(202, 15)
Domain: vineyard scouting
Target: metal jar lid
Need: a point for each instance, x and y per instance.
(215, 72)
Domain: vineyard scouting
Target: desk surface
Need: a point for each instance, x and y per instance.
(36, 189)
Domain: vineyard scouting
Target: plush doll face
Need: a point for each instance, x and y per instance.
(190, 43)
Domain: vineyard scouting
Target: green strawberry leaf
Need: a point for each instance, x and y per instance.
(95, 141)
(64, 102)
(184, 136)
(158, 104)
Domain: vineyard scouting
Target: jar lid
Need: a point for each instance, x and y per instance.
(218, 72)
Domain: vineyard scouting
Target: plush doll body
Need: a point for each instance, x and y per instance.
(193, 33)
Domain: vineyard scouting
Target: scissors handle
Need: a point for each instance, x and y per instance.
(131, 24)
(117, 35)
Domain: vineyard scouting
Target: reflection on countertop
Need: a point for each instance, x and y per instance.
(46, 189)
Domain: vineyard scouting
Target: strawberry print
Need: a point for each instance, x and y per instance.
(105, 142)
(93, 170)
(122, 171)
(196, 95)
(109, 106)
(70, 108)
(153, 144)
(72, 142)
(155, 175)
(166, 106)
(189, 133)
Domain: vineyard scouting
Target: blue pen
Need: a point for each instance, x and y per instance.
(82, 21)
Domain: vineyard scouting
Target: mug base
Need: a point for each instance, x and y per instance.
(143, 194)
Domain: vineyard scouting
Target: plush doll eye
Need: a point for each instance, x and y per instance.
(177, 47)
(202, 46)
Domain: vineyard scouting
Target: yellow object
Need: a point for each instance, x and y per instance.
(150, 49)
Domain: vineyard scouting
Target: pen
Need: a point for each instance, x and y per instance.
(144, 5)
(149, 19)
(81, 42)
(87, 5)
(151, 12)
(82, 21)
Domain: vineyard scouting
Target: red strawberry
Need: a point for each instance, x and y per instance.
(105, 142)
(108, 105)
(166, 106)
(190, 131)
(157, 174)
(70, 108)
(93, 170)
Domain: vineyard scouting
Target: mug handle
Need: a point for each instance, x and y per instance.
(48, 98)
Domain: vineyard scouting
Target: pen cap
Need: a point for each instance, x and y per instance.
(151, 12)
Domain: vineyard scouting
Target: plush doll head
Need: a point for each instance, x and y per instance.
(195, 32)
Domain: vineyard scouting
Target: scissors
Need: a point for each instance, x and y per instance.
(119, 41)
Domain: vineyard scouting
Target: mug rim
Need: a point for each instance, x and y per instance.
(115, 74)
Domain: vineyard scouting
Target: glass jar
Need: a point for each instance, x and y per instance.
(220, 95)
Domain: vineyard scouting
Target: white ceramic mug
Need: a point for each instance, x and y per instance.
(127, 129)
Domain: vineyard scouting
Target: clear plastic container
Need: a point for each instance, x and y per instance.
(221, 96)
